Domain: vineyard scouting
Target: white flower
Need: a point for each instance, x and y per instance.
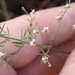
(2, 54)
(32, 43)
(73, 26)
(33, 11)
(45, 59)
(45, 29)
(59, 17)
(35, 32)
(32, 14)
(23, 9)
(67, 6)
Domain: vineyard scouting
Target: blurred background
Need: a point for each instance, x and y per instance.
(12, 8)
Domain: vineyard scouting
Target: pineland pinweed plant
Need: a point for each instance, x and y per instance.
(31, 33)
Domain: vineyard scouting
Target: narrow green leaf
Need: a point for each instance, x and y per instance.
(43, 47)
(40, 54)
(18, 42)
(8, 31)
(2, 42)
(25, 38)
(45, 54)
(12, 53)
(17, 46)
(7, 38)
(25, 33)
(29, 31)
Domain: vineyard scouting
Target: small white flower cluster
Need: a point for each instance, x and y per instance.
(2, 54)
(62, 12)
(73, 26)
(59, 17)
(32, 14)
(33, 11)
(32, 42)
(35, 32)
(45, 29)
(45, 60)
(67, 6)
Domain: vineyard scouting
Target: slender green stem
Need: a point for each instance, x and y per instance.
(10, 58)
(56, 36)
(47, 47)
(60, 51)
(48, 50)
(44, 47)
